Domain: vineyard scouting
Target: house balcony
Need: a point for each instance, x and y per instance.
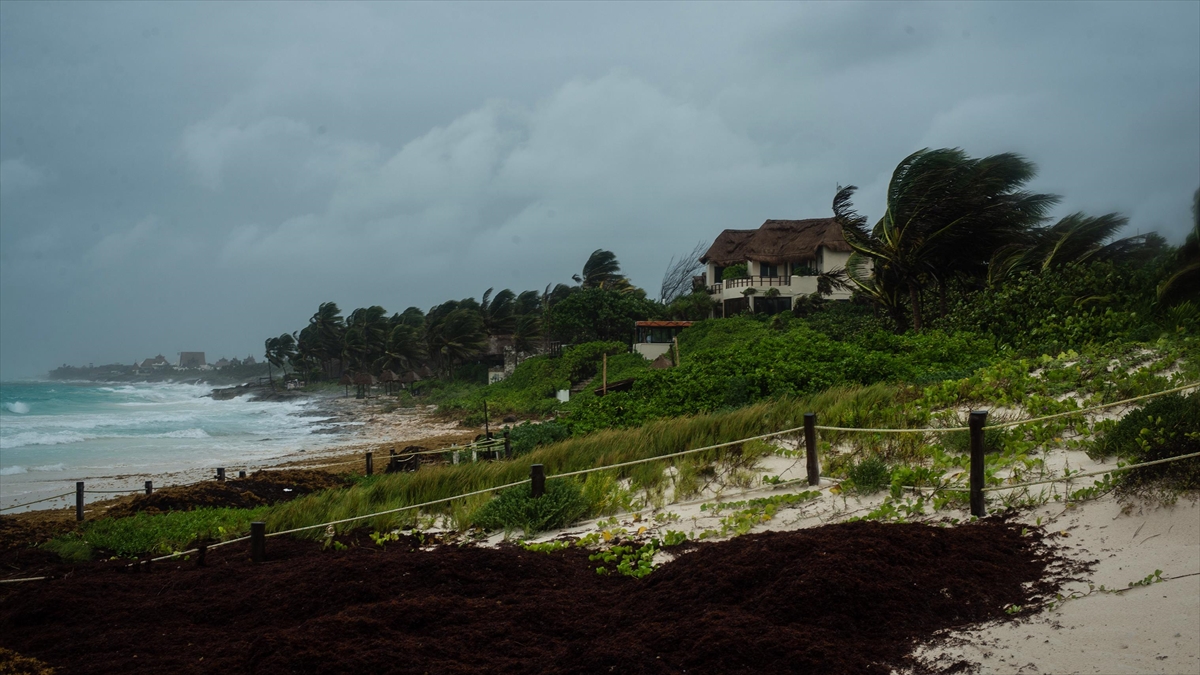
(789, 286)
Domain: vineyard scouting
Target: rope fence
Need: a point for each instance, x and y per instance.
(976, 422)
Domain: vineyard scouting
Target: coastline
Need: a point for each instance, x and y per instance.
(348, 428)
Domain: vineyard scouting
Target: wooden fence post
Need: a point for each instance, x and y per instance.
(241, 474)
(149, 487)
(810, 445)
(604, 377)
(487, 431)
(221, 474)
(507, 445)
(79, 501)
(975, 422)
(370, 463)
(537, 476)
(258, 541)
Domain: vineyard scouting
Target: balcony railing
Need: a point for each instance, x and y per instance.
(757, 281)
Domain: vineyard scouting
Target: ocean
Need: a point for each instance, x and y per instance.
(55, 433)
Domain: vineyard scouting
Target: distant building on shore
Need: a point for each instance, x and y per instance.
(191, 359)
(249, 361)
(221, 363)
(156, 362)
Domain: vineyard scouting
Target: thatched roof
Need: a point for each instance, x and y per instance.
(425, 372)
(727, 249)
(346, 379)
(388, 376)
(661, 363)
(777, 242)
(364, 378)
(409, 378)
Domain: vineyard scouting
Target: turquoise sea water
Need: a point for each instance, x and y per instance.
(55, 433)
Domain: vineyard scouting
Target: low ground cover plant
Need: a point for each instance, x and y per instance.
(1165, 427)
(160, 533)
(515, 508)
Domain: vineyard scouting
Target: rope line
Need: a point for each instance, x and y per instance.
(113, 492)
(673, 454)
(1014, 423)
(1127, 467)
(38, 501)
(396, 510)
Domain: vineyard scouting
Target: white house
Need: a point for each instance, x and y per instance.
(783, 259)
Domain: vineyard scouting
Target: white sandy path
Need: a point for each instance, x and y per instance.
(1150, 629)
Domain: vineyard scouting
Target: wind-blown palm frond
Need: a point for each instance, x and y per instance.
(601, 269)
(1184, 282)
(946, 214)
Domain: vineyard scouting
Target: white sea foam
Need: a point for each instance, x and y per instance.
(13, 470)
(50, 467)
(28, 438)
(184, 433)
(17, 407)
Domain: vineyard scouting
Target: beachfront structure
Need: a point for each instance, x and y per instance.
(156, 362)
(191, 359)
(783, 259)
(652, 339)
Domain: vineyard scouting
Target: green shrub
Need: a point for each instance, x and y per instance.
(869, 475)
(562, 504)
(525, 437)
(1165, 427)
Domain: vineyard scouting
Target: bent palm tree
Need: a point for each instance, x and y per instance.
(1075, 238)
(946, 214)
(279, 350)
(1184, 283)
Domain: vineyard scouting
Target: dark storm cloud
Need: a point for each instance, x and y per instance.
(200, 176)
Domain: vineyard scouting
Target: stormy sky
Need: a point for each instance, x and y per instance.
(178, 177)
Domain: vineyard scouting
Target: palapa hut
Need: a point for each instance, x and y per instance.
(364, 382)
(346, 381)
(388, 378)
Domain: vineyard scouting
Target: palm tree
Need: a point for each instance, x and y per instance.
(528, 331)
(1075, 238)
(946, 214)
(326, 336)
(366, 336)
(402, 350)
(279, 350)
(458, 336)
(1184, 283)
(498, 312)
(602, 270)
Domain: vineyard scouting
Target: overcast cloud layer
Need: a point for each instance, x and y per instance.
(178, 177)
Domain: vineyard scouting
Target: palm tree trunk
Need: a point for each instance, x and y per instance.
(915, 298)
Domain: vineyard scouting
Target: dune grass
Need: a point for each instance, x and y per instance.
(856, 405)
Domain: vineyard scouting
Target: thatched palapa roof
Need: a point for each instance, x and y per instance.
(346, 379)
(388, 376)
(409, 378)
(364, 378)
(777, 242)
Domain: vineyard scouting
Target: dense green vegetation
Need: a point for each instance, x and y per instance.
(970, 298)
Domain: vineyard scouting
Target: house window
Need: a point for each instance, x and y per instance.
(804, 268)
(768, 270)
